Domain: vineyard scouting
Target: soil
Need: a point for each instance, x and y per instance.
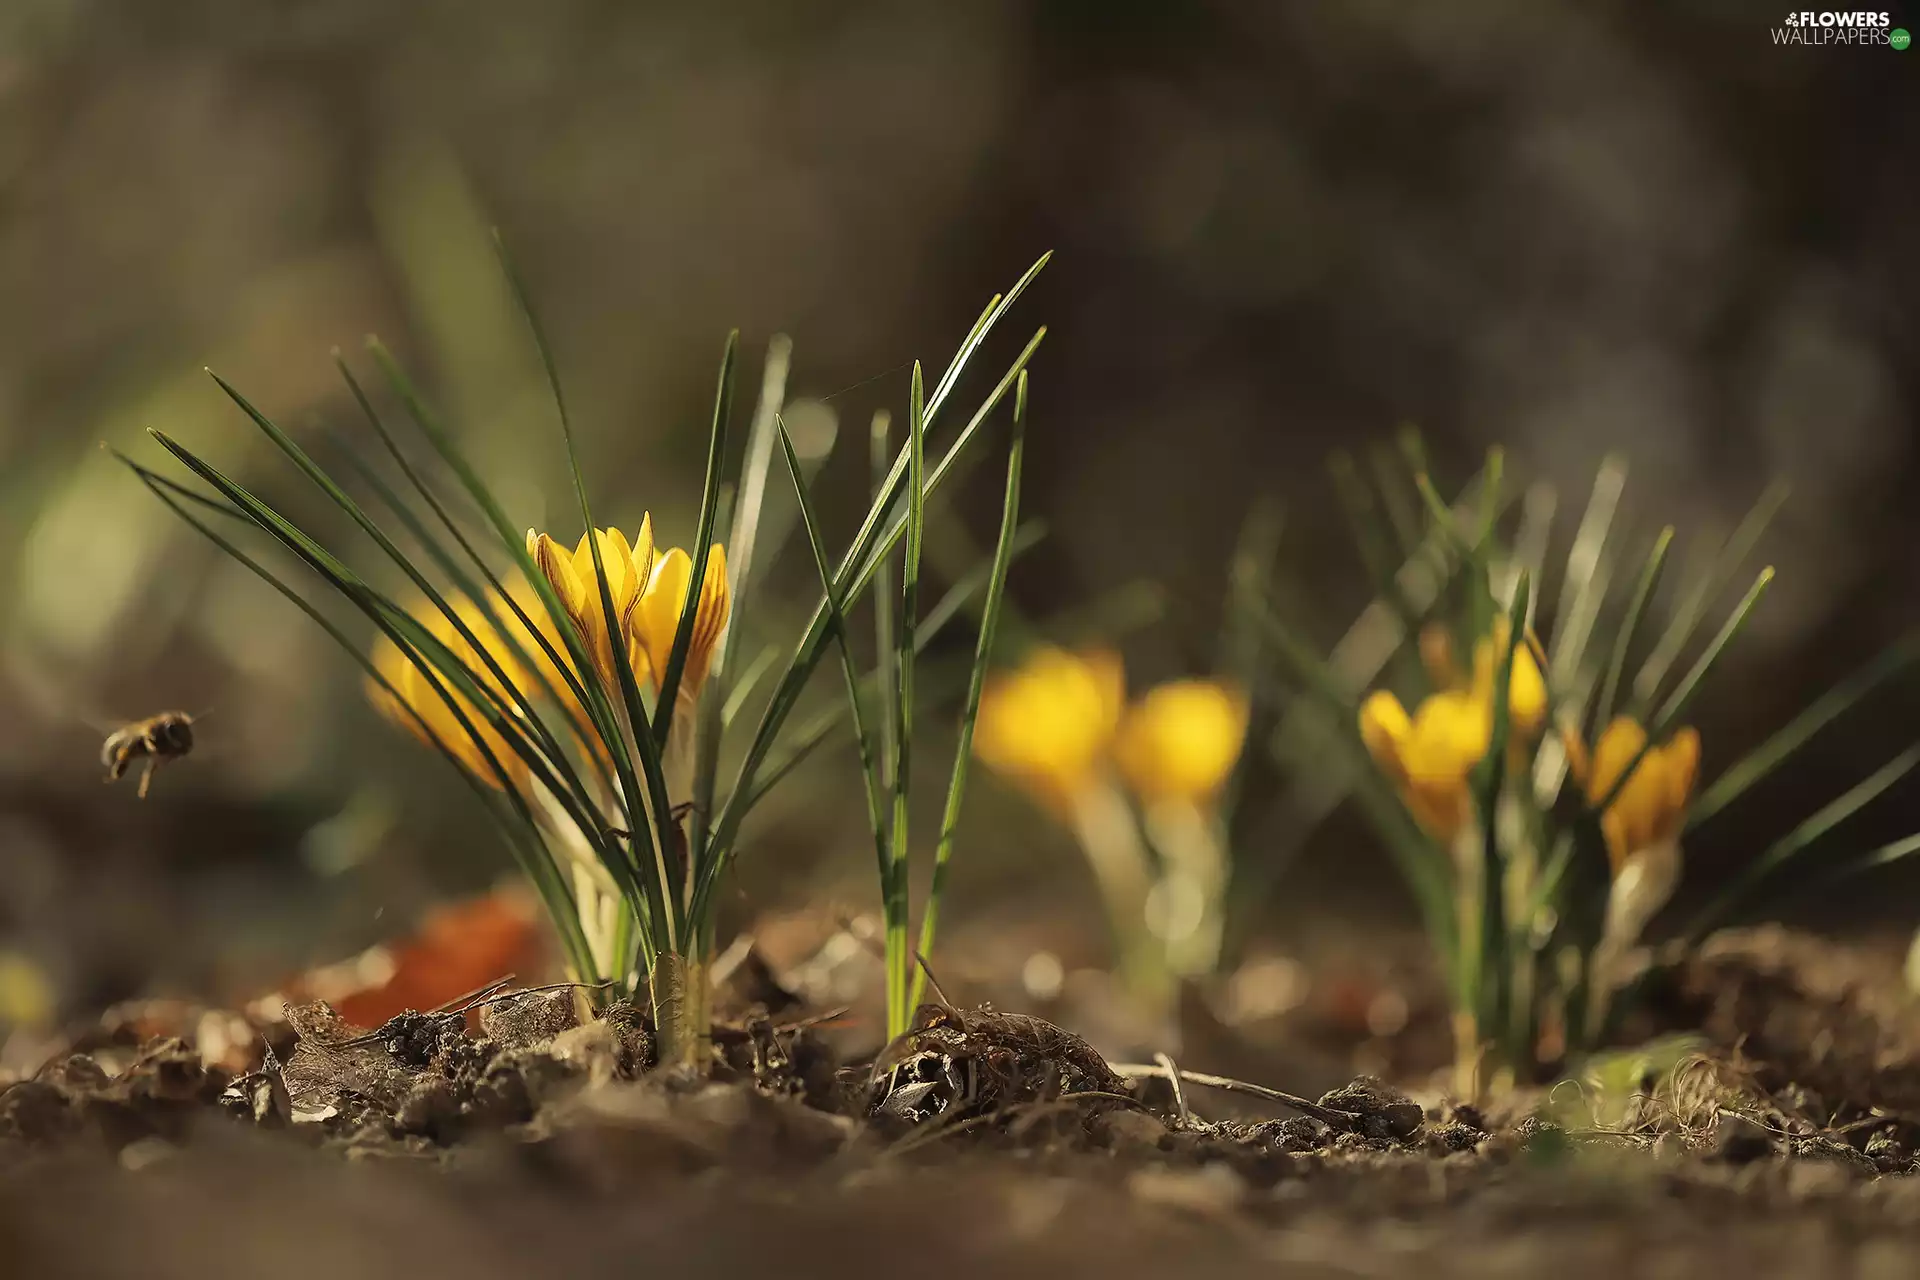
(507, 1137)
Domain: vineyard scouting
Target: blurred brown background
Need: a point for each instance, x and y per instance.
(1280, 228)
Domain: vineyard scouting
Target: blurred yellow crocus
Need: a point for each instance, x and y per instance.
(1049, 724)
(1526, 686)
(1431, 754)
(437, 722)
(1180, 741)
(1646, 816)
(657, 617)
(571, 574)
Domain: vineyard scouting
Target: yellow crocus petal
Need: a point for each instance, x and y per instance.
(641, 555)
(1181, 741)
(1451, 732)
(1652, 805)
(658, 615)
(575, 580)
(557, 568)
(1619, 743)
(710, 621)
(1385, 728)
(1682, 770)
(1429, 756)
(1526, 687)
(657, 619)
(416, 703)
(391, 702)
(1049, 723)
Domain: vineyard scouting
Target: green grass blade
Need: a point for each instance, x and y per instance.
(560, 909)
(892, 530)
(703, 543)
(593, 699)
(1623, 641)
(528, 719)
(1488, 985)
(386, 614)
(743, 541)
(1646, 685)
(542, 869)
(1585, 585)
(741, 688)
(1884, 855)
(965, 593)
(665, 889)
(1398, 498)
(434, 503)
(970, 712)
(886, 606)
(874, 540)
(1315, 781)
(579, 802)
(874, 537)
(1820, 713)
(1256, 553)
(837, 621)
(897, 885)
(1490, 496)
(1676, 705)
(1424, 868)
(1369, 534)
(818, 729)
(1801, 837)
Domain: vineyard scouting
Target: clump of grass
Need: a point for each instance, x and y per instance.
(584, 696)
(1532, 795)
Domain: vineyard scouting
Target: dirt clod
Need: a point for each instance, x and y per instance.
(1385, 1111)
(529, 1020)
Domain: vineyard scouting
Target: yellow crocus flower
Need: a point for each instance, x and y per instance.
(1181, 741)
(629, 565)
(1648, 813)
(656, 617)
(1049, 724)
(1431, 754)
(413, 690)
(1526, 686)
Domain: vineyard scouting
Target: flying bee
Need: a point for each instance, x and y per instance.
(167, 736)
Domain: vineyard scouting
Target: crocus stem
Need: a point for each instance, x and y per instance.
(1111, 841)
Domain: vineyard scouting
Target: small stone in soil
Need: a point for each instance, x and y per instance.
(1296, 1133)
(529, 1019)
(1398, 1116)
(1887, 1154)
